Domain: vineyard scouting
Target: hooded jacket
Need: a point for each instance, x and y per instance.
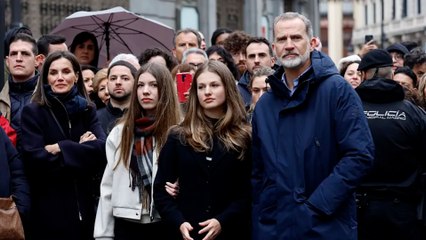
(399, 132)
(310, 151)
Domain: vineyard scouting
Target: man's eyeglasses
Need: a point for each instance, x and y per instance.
(397, 56)
(195, 65)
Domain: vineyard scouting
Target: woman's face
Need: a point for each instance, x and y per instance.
(352, 75)
(148, 93)
(216, 57)
(85, 52)
(211, 94)
(61, 76)
(103, 91)
(258, 88)
(158, 59)
(88, 76)
(221, 38)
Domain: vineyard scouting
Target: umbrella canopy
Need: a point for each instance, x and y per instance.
(117, 31)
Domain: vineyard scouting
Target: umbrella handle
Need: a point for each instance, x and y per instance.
(107, 27)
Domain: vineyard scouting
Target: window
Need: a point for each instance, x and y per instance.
(366, 14)
(265, 27)
(189, 18)
(404, 9)
(419, 6)
(374, 13)
(393, 10)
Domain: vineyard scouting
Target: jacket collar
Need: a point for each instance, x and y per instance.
(21, 87)
(380, 90)
(115, 111)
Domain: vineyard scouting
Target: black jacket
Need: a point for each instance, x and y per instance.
(108, 117)
(215, 188)
(62, 201)
(399, 132)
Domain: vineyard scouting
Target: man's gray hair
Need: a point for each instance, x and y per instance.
(194, 51)
(382, 72)
(187, 30)
(293, 15)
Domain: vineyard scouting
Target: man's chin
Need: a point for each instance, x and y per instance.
(294, 63)
(120, 98)
(241, 69)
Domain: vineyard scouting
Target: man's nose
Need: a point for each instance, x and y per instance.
(19, 56)
(241, 56)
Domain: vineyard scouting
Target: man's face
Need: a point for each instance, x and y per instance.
(419, 70)
(258, 56)
(195, 60)
(404, 80)
(292, 44)
(21, 61)
(184, 41)
(120, 83)
(240, 61)
(57, 47)
(397, 59)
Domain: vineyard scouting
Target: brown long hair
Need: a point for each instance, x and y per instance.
(232, 129)
(165, 117)
(39, 95)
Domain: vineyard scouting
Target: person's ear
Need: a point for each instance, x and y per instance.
(362, 76)
(273, 60)
(174, 52)
(39, 60)
(313, 43)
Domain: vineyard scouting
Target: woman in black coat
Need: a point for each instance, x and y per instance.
(209, 154)
(63, 149)
(12, 178)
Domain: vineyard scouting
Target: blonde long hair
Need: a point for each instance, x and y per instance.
(232, 129)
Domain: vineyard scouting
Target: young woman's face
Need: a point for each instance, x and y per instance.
(85, 52)
(103, 91)
(61, 76)
(211, 94)
(352, 75)
(148, 93)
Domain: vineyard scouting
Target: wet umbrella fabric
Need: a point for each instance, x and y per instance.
(117, 31)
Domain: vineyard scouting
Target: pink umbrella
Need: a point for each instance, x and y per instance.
(117, 31)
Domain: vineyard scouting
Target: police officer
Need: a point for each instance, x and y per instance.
(391, 193)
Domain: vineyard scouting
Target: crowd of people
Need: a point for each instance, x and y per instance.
(272, 139)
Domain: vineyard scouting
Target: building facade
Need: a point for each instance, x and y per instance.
(390, 21)
(41, 16)
(253, 16)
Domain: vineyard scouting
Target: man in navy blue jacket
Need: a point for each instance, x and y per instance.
(311, 143)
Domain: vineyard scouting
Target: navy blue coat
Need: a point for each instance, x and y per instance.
(12, 178)
(63, 205)
(243, 88)
(310, 151)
